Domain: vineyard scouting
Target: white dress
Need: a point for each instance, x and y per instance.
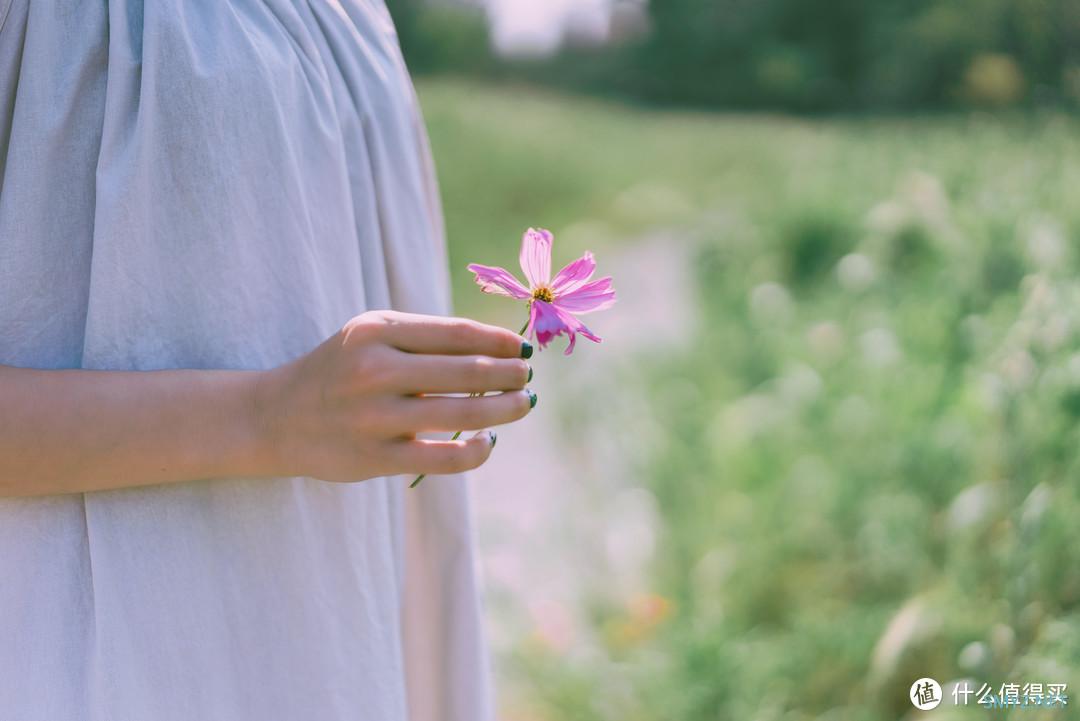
(222, 184)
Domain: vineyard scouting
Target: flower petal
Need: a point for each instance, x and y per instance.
(499, 281)
(590, 297)
(536, 256)
(573, 325)
(574, 275)
(546, 322)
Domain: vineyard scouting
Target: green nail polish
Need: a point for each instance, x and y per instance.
(532, 399)
(494, 438)
(530, 375)
(526, 349)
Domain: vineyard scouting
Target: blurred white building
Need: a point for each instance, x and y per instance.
(540, 27)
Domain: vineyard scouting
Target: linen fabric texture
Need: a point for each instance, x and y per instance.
(222, 185)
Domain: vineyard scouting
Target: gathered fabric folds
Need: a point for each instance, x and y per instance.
(222, 184)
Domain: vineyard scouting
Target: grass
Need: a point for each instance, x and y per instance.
(869, 465)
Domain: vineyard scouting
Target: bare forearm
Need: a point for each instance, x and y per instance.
(70, 431)
(349, 410)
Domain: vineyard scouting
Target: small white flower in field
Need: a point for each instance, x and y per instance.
(770, 302)
(1046, 245)
(972, 507)
(913, 623)
(826, 340)
(879, 347)
(799, 384)
(887, 217)
(1072, 366)
(991, 391)
(856, 272)
(1035, 505)
(1038, 292)
(1054, 331)
(1003, 640)
(1019, 369)
(926, 195)
(973, 656)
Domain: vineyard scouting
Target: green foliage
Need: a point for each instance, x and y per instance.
(894, 54)
(797, 55)
(867, 464)
(435, 36)
(812, 244)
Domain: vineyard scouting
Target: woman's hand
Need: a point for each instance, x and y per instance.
(351, 409)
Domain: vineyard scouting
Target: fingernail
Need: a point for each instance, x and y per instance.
(530, 375)
(493, 438)
(526, 349)
(532, 398)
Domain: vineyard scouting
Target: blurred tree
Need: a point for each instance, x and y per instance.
(439, 37)
(802, 54)
(797, 55)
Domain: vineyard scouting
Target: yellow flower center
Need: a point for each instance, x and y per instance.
(543, 293)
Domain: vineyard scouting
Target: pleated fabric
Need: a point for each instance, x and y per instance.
(222, 184)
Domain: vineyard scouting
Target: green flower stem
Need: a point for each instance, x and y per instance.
(458, 434)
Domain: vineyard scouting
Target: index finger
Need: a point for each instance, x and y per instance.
(438, 335)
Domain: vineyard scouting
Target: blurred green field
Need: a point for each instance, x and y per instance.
(866, 467)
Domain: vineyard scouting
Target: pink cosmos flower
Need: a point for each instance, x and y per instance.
(554, 304)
